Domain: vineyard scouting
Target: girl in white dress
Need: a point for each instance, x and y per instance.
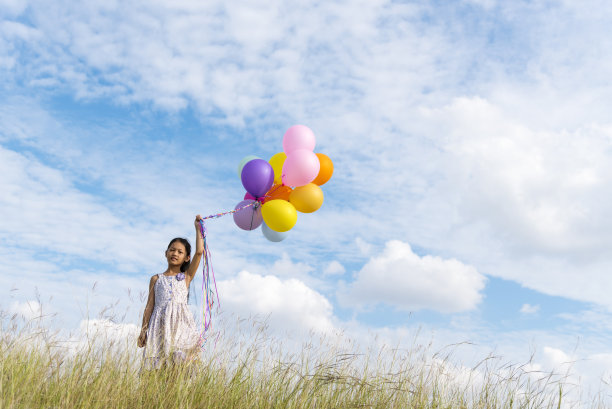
(169, 333)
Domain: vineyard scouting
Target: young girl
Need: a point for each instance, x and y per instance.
(169, 333)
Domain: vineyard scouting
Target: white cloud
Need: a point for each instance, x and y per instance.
(401, 278)
(29, 310)
(285, 267)
(242, 59)
(529, 309)
(525, 204)
(104, 330)
(334, 268)
(364, 247)
(13, 8)
(539, 188)
(103, 195)
(487, 4)
(580, 359)
(288, 304)
(93, 338)
(67, 220)
(556, 360)
(68, 296)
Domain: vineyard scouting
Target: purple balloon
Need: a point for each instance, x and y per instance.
(248, 218)
(257, 177)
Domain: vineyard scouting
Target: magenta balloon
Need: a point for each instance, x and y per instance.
(248, 196)
(298, 137)
(250, 217)
(257, 177)
(300, 168)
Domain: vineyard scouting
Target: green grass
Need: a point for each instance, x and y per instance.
(38, 370)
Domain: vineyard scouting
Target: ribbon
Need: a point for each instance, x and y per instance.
(208, 294)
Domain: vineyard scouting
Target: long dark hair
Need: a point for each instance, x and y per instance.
(185, 243)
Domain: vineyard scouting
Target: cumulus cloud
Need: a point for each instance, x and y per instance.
(403, 279)
(534, 200)
(543, 189)
(286, 304)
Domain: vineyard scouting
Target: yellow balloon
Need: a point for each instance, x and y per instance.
(279, 215)
(277, 162)
(307, 198)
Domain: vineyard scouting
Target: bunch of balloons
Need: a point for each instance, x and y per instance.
(286, 184)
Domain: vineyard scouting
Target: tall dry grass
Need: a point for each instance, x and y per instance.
(39, 369)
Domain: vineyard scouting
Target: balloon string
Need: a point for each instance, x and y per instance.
(255, 206)
(214, 216)
(269, 194)
(275, 189)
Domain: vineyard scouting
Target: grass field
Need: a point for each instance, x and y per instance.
(39, 370)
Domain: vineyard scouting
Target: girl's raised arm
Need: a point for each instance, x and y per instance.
(199, 250)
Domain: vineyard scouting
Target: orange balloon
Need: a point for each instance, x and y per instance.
(281, 192)
(307, 198)
(325, 171)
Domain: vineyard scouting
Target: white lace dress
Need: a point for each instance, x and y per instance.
(172, 336)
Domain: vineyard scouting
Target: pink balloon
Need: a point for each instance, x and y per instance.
(248, 196)
(298, 137)
(300, 168)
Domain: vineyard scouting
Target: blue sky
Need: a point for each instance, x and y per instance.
(471, 145)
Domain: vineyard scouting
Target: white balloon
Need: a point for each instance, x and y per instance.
(272, 235)
(243, 162)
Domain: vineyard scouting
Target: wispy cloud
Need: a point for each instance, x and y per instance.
(386, 77)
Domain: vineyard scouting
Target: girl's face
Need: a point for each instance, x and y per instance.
(176, 254)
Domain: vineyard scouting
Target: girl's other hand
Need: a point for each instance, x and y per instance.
(197, 221)
(142, 338)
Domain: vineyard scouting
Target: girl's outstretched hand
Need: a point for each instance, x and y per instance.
(199, 238)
